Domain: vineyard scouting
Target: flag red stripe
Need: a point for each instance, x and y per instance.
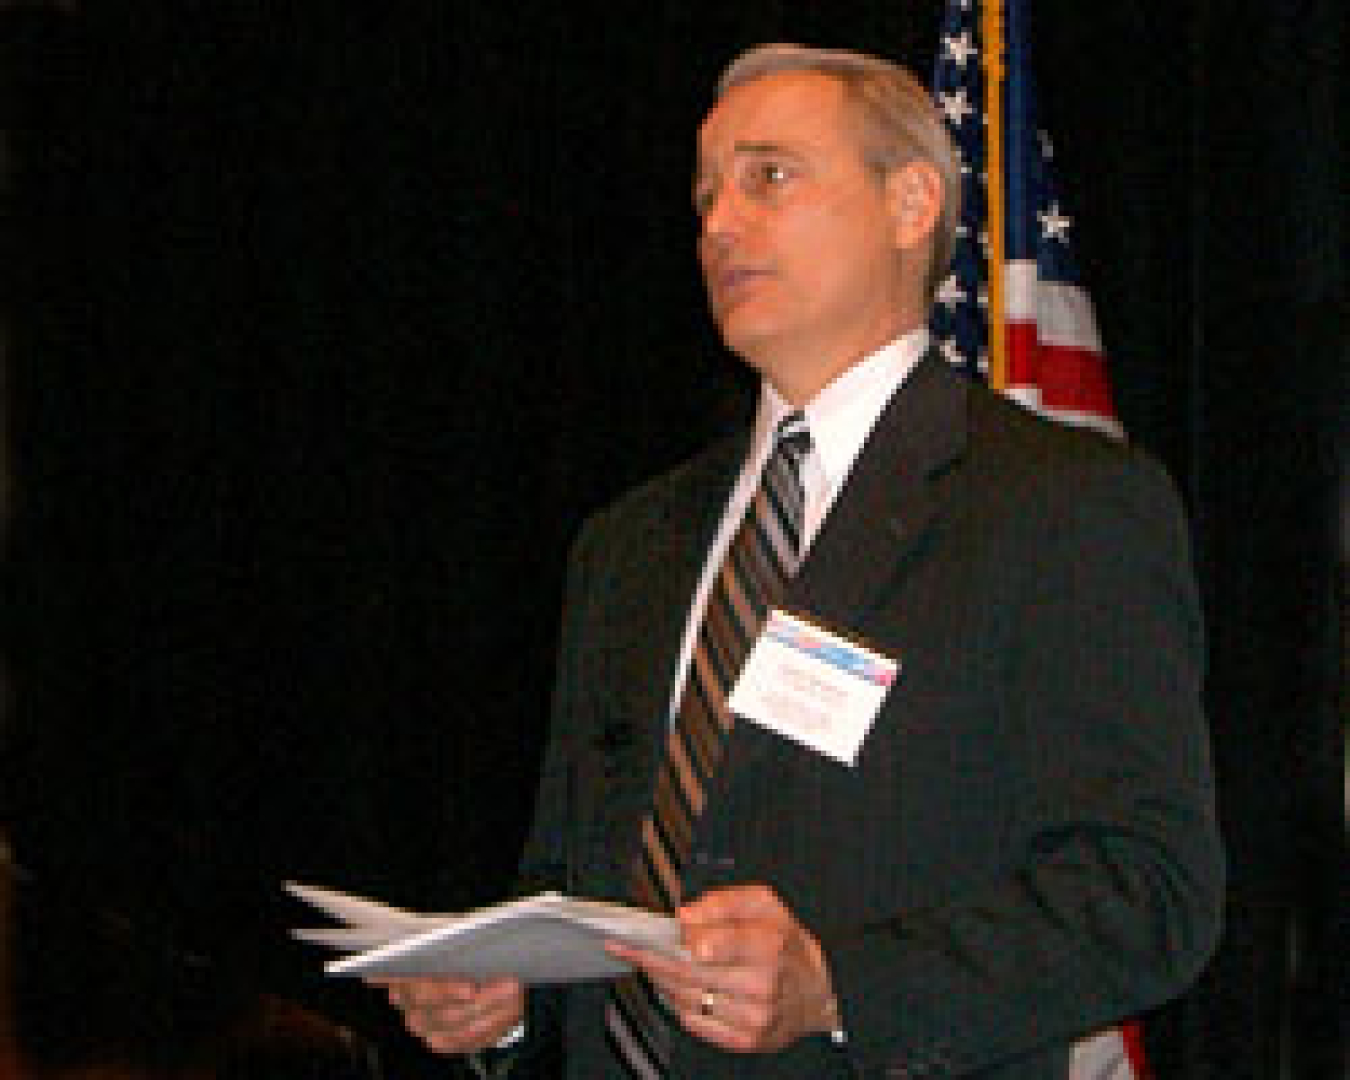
(1068, 379)
(1132, 1035)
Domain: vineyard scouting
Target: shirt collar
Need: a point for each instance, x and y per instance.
(842, 414)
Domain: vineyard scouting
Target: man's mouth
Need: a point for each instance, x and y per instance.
(730, 282)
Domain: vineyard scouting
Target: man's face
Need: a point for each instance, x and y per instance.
(798, 241)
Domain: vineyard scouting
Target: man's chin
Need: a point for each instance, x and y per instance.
(744, 333)
(757, 351)
(749, 347)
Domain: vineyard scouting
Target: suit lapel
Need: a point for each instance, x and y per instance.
(889, 507)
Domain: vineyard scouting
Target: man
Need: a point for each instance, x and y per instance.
(1023, 850)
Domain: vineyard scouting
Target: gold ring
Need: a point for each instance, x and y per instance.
(706, 1002)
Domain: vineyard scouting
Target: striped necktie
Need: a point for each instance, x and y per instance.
(762, 557)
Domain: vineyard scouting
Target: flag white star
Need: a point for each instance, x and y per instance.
(950, 294)
(1054, 223)
(955, 107)
(960, 48)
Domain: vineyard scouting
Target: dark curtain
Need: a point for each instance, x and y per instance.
(325, 329)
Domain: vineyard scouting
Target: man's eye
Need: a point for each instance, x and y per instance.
(764, 179)
(769, 173)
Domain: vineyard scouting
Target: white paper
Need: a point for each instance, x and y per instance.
(356, 910)
(542, 939)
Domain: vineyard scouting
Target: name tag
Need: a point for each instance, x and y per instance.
(812, 686)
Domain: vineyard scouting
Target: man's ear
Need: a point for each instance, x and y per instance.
(914, 195)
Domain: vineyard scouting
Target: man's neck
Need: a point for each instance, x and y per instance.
(800, 375)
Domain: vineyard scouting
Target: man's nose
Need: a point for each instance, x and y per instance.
(723, 215)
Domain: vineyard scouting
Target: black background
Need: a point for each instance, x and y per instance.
(326, 327)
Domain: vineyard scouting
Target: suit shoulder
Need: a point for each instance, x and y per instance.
(1057, 467)
(681, 492)
(1008, 436)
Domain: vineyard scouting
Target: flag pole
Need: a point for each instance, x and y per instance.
(991, 30)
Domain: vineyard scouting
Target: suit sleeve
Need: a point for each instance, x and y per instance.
(546, 862)
(548, 853)
(1113, 901)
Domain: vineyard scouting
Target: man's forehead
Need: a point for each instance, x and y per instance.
(779, 109)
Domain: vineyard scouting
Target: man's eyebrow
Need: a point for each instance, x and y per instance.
(745, 146)
(762, 148)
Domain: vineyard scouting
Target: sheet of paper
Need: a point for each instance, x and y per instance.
(356, 910)
(348, 939)
(541, 939)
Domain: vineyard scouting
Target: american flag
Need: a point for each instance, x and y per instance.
(1055, 362)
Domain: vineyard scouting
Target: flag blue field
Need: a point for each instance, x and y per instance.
(1055, 360)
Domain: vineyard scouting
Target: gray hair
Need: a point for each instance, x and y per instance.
(900, 122)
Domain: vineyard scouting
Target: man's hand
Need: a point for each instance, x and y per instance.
(758, 979)
(457, 1016)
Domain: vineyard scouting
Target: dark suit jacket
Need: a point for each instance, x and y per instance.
(1026, 849)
